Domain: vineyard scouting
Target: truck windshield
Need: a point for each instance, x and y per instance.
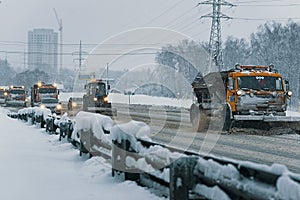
(50, 100)
(260, 83)
(17, 91)
(47, 90)
(100, 89)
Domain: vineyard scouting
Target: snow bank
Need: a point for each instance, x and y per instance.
(95, 122)
(44, 112)
(64, 96)
(149, 100)
(216, 171)
(131, 131)
(35, 166)
(229, 177)
(287, 188)
(211, 192)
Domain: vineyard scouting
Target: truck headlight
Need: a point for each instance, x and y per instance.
(42, 106)
(239, 92)
(289, 93)
(95, 99)
(105, 99)
(74, 104)
(58, 107)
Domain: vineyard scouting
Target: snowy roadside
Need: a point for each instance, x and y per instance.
(35, 165)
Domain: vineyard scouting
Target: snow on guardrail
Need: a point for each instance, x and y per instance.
(181, 175)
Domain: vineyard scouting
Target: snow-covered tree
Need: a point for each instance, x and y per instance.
(6, 73)
(235, 51)
(29, 78)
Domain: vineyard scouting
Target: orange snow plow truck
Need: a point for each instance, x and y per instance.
(16, 96)
(254, 97)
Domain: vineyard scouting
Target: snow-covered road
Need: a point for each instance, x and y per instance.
(35, 166)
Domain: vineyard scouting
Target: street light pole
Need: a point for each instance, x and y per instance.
(107, 78)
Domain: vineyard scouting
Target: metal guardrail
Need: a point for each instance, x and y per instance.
(178, 174)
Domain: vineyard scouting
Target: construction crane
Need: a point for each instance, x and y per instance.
(60, 24)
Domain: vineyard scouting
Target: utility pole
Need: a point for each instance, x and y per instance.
(60, 24)
(80, 54)
(215, 40)
(107, 82)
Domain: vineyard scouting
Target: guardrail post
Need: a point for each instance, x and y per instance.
(85, 141)
(181, 177)
(119, 153)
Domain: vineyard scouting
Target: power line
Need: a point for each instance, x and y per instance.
(19, 43)
(180, 16)
(264, 19)
(269, 5)
(72, 54)
(163, 13)
(259, 1)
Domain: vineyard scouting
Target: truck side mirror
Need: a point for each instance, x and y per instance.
(230, 84)
(108, 87)
(287, 85)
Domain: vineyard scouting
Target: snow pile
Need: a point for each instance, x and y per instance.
(25, 111)
(35, 111)
(287, 188)
(98, 124)
(211, 192)
(44, 168)
(45, 112)
(228, 176)
(62, 119)
(153, 160)
(64, 96)
(130, 131)
(149, 100)
(217, 171)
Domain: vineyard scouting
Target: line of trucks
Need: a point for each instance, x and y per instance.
(41, 94)
(245, 96)
(46, 96)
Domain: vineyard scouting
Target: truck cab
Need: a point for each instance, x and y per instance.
(42, 90)
(3, 95)
(16, 96)
(95, 98)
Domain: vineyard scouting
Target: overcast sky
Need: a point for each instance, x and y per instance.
(92, 21)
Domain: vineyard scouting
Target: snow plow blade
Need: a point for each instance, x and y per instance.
(267, 122)
(103, 110)
(16, 103)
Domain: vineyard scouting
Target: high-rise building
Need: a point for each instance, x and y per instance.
(42, 50)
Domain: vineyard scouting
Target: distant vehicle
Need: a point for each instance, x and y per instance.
(16, 96)
(42, 90)
(3, 95)
(95, 99)
(75, 103)
(52, 104)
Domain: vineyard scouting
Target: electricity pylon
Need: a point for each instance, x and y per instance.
(215, 40)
